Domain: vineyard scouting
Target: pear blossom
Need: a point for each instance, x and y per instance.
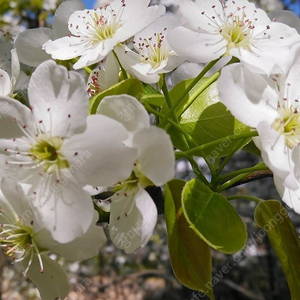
(59, 149)
(94, 33)
(103, 77)
(133, 213)
(29, 42)
(153, 54)
(24, 240)
(9, 66)
(271, 106)
(213, 29)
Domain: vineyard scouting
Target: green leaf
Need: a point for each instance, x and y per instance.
(155, 99)
(131, 86)
(274, 220)
(190, 255)
(213, 218)
(205, 118)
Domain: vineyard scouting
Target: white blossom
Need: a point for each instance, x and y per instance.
(95, 33)
(133, 213)
(59, 149)
(232, 28)
(270, 105)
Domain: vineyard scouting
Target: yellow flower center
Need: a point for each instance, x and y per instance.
(47, 152)
(289, 125)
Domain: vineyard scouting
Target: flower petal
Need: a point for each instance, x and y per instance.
(5, 84)
(64, 48)
(58, 99)
(83, 247)
(98, 156)
(132, 220)
(290, 196)
(276, 155)
(125, 109)
(247, 95)
(138, 20)
(29, 45)
(62, 15)
(65, 208)
(155, 154)
(195, 46)
(53, 283)
(15, 119)
(131, 63)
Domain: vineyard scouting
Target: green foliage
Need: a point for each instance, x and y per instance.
(130, 86)
(204, 118)
(274, 220)
(213, 218)
(190, 255)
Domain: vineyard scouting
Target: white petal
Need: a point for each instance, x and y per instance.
(66, 209)
(16, 198)
(155, 154)
(286, 17)
(126, 110)
(62, 14)
(83, 247)
(5, 83)
(53, 283)
(195, 46)
(161, 25)
(95, 54)
(138, 21)
(15, 68)
(131, 62)
(101, 157)
(276, 155)
(65, 48)
(185, 71)
(132, 6)
(15, 119)
(262, 58)
(289, 196)
(132, 220)
(58, 99)
(247, 95)
(29, 45)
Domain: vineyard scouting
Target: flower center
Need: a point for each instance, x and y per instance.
(15, 239)
(289, 125)
(154, 50)
(237, 31)
(47, 152)
(98, 24)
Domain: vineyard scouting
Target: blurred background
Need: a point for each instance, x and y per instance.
(255, 272)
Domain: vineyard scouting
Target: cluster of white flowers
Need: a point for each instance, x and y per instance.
(54, 155)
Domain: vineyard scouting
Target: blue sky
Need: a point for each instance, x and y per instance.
(89, 3)
(293, 5)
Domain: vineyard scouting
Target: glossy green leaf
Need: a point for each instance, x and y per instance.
(190, 255)
(155, 99)
(213, 218)
(130, 86)
(205, 118)
(274, 220)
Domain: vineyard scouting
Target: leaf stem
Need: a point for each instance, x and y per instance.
(188, 89)
(245, 197)
(124, 73)
(218, 141)
(195, 167)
